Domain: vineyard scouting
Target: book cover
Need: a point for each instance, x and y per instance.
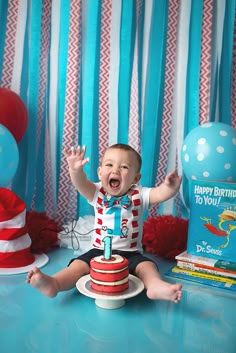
(206, 269)
(212, 223)
(208, 280)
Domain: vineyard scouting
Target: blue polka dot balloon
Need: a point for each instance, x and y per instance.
(209, 153)
(9, 156)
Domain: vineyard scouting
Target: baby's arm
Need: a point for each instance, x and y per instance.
(76, 162)
(167, 189)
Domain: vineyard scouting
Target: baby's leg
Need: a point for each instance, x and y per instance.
(61, 281)
(156, 287)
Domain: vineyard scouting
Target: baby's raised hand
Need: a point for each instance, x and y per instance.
(75, 158)
(173, 179)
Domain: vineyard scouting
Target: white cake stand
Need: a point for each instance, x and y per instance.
(110, 301)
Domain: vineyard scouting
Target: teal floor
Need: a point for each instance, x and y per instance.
(203, 322)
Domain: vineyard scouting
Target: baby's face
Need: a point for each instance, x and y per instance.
(118, 171)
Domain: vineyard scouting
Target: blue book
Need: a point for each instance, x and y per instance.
(202, 278)
(212, 222)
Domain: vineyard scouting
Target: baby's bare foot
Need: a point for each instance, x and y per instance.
(165, 291)
(44, 283)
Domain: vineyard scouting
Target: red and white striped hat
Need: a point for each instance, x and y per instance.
(15, 242)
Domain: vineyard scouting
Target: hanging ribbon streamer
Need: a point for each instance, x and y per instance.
(19, 47)
(62, 74)
(3, 26)
(134, 114)
(168, 94)
(18, 184)
(148, 6)
(217, 39)
(34, 67)
(192, 33)
(105, 53)
(154, 93)
(114, 71)
(233, 82)
(43, 61)
(90, 93)
(10, 42)
(186, 98)
(226, 63)
(43, 191)
(52, 133)
(172, 206)
(66, 207)
(205, 70)
(127, 37)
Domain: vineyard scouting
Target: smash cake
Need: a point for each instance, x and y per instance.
(109, 275)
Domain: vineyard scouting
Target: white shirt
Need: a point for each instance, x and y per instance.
(124, 225)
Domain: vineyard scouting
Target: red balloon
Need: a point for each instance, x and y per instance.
(13, 113)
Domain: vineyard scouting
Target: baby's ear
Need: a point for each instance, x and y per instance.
(99, 172)
(137, 178)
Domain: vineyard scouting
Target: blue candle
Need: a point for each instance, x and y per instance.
(107, 247)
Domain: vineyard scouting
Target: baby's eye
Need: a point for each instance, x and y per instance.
(108, 164)
(124, 167)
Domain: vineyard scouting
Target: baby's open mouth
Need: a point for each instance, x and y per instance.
(114, 183)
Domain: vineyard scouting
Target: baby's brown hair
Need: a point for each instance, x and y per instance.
(128, 148)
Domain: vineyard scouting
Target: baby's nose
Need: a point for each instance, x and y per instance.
(115, 170)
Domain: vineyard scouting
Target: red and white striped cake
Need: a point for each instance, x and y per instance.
(109, 276)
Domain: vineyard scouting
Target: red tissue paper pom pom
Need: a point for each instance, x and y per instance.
(165, 236)
(43, 231)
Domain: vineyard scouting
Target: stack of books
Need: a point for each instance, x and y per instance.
(204, 270)
(210, 257)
